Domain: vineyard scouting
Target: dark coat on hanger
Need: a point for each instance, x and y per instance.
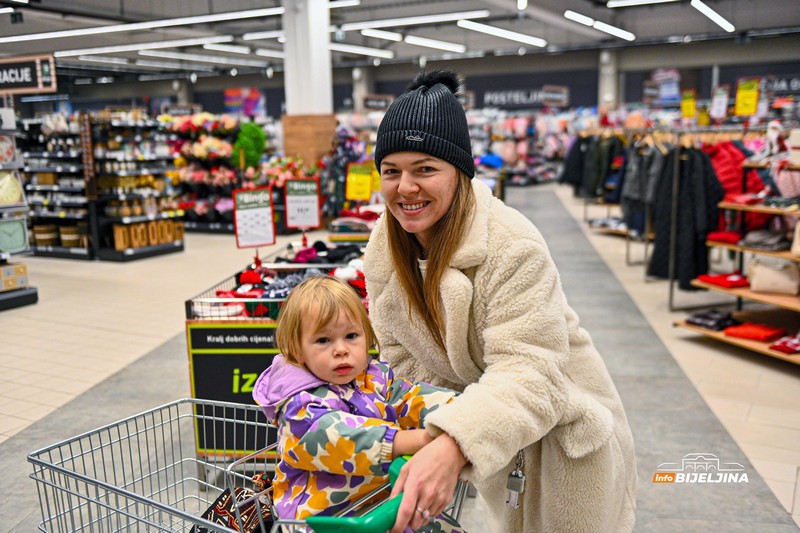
(699, 192)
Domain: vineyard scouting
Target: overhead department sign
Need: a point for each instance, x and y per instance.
(25, 75)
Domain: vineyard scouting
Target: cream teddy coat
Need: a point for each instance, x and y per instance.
(530, 375)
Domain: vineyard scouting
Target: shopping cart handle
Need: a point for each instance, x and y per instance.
(379, 520)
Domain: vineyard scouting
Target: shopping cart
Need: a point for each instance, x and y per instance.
(160, 470)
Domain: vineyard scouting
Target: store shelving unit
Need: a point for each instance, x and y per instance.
(97, 176)
(14, 288)
(56, 190)
(784, 302)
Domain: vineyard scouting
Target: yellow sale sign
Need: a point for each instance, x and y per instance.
(747, 96)
(358, 186)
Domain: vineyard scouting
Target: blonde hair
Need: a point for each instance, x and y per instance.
(447, 234)
(322, 297)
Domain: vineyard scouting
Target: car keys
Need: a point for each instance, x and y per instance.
(516, 482)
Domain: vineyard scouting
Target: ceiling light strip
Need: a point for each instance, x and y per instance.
(144, 46)
(257, 35)
(613, 30)
(218, 60)
(333, 4)
(232, 48)
(111, 60)
(630, 3)
(265, 52)
(136, 26)
(381, 34)
(361, 50)
(715, 17)
(577, 17)
(410, 21)
(598, 25)
(434, 43)
(500, 32)
(172, 65)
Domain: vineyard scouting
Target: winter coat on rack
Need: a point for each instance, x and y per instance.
(699, 192)
(590, 177)
(634, 187)
(727, 161)
(572, 172)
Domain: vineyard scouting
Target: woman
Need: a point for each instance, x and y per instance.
(464, 294)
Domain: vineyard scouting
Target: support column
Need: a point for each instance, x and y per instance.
(608, 88)
(363, 85)
(307, 66)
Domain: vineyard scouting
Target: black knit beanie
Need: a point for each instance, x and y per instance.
(428, 118)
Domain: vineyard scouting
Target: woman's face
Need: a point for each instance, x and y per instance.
(418, 189)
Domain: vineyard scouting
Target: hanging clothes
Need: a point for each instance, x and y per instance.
(727, 161)
(699, 192)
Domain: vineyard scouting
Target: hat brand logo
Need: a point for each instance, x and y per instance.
(415, 138)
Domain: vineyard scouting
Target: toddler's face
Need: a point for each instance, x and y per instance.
(337, 352)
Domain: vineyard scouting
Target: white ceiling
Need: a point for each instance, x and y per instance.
(542, 18)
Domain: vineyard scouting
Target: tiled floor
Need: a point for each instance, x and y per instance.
(755, 397)
(94, 318)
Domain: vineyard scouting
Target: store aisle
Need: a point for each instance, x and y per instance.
(114, 334)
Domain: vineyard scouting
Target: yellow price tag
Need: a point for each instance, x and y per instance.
(376, 180)
(688, 104)
(747, 96)
(62, 214)
(359, 182)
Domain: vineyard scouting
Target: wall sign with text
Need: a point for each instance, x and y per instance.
(29, 74)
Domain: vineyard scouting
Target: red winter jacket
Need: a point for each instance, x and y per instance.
(727, 161)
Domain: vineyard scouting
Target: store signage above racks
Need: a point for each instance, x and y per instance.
(29, 74)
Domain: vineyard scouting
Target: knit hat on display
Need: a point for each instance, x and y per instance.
(428, 118)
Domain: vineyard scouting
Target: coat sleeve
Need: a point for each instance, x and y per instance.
(413, 402)
(523, 393)
(323, 437)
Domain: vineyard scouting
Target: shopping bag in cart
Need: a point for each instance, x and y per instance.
(254, 508)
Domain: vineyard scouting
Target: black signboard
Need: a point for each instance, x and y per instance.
(30, 74)
(225, 360)
(378, 102)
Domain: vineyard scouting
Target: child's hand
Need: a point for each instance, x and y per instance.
(410, 441)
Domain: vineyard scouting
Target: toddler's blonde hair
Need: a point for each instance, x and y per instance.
(322, 297)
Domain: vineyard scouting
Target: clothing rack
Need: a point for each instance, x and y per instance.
(674, 206)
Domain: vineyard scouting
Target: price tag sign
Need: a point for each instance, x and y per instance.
(747, 96)
(719, 102)
(359, 182)
(376, 180)
(302, 203)
(688, 103)
(253, 221)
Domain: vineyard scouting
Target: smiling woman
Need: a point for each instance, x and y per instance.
(471, 300)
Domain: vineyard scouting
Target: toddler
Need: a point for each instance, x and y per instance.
(341, 416)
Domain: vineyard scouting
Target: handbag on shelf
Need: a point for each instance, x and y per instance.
(777, 276)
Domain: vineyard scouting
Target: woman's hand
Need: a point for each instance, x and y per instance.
(427, 482)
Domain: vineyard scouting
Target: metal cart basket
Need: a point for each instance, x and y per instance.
(156, 471)
(160, 470)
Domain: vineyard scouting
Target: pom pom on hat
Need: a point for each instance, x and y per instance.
(428, 118)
